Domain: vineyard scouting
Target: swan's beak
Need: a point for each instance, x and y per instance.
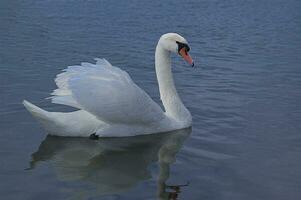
(183, 52)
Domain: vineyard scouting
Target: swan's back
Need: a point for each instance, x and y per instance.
(106, 92)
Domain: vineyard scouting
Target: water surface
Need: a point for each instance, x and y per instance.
(244, 96)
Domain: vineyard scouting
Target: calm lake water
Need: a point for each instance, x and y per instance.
(244, 95)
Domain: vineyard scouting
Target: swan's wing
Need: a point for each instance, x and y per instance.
(107, 92)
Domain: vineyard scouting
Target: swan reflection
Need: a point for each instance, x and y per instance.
(112, 165)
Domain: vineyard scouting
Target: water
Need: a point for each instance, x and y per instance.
(244, 96)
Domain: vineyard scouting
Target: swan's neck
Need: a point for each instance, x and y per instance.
(171, 101)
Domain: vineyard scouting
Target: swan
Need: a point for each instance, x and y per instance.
(110, 104)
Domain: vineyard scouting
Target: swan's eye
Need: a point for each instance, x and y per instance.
(181, 46)
(187, 48)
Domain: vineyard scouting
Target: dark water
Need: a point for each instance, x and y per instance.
(245, 98)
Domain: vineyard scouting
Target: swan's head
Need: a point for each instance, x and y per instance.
(174, 42)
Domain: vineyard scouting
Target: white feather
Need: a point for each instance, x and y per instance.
(107, 92)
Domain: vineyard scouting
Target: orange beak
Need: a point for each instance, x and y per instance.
(183, 52)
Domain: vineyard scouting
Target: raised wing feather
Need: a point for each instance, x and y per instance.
(107, 92)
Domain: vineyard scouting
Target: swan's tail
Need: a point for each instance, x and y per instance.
(76, 123)
(37, 112)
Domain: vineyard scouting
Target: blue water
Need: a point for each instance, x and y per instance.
(244, 95)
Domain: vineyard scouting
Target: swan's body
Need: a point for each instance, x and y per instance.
(110, 104)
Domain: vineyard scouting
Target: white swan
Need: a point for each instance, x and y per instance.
(111, 104)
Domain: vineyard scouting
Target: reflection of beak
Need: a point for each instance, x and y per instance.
(183, 52)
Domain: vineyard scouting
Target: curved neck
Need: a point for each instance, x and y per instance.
(171, 101)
